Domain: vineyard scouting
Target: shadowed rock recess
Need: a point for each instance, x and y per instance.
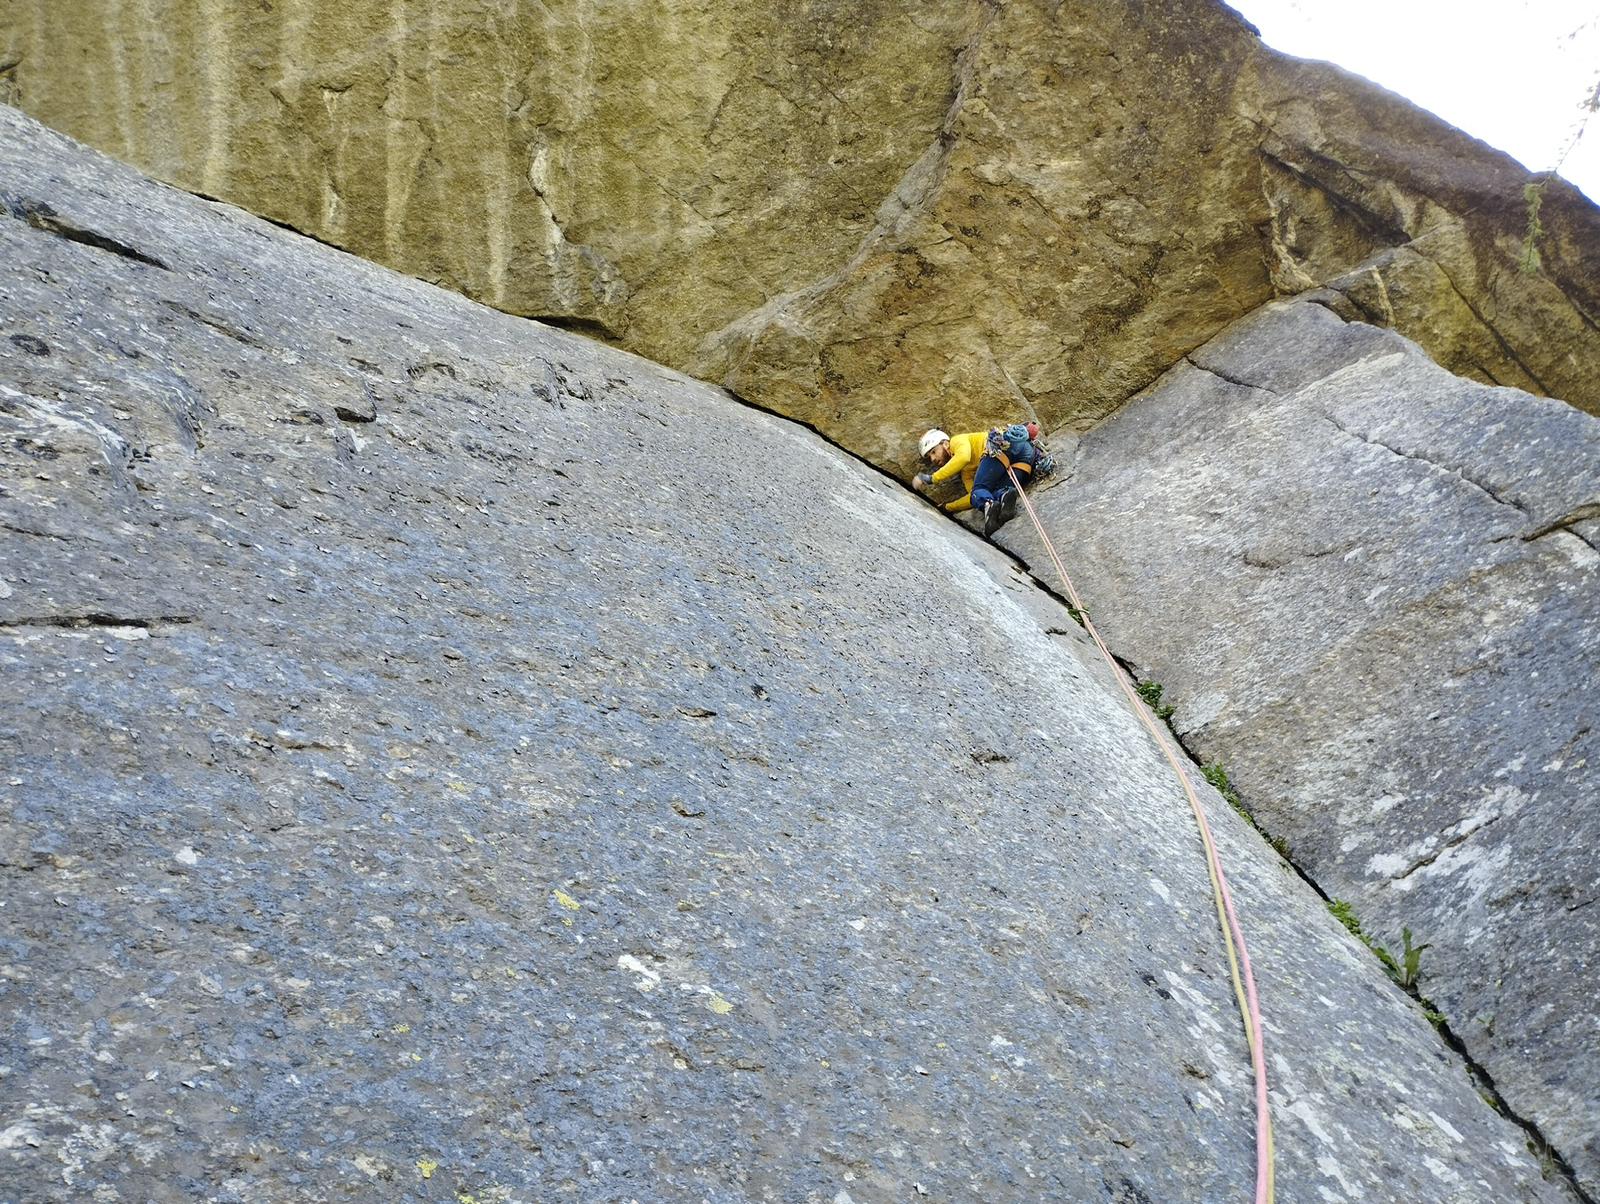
(1373, 591)
(862, 215)
(449, 759)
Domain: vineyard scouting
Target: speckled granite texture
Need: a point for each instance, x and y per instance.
(1372, 589)
(445, 759)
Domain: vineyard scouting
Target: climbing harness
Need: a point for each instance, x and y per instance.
(1244, 983)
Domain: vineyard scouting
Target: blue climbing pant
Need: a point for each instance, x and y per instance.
(990, 484)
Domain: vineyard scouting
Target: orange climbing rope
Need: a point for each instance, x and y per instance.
(1244, 983)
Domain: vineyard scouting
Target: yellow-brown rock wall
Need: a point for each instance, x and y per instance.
(871, 216)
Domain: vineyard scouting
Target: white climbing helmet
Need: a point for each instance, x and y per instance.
(930, 441)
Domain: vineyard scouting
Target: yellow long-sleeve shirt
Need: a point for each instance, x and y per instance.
(965, 452)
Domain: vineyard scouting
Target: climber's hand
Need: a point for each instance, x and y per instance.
(921, 481)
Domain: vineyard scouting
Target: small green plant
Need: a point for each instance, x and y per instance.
(1218, 777)
(1405, 970)
(1410, 959)
(1346, 915)
(1150, 691)
(1546, 1156)
(1533, 194)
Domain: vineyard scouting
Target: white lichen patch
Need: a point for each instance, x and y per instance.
(1384, 804)
(22, 1133)
(1445, 1127)
(1202, 1014)
(1331, 1169)
(647, 980)
(1302, 1111)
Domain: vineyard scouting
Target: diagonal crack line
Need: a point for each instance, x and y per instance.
(1453, 470)
(1372, 223)
(1232, 380)
(912, 192)
(1443, 849)
(1566, 522)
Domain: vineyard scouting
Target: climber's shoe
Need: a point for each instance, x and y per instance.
(1008, 506)
(993, 516)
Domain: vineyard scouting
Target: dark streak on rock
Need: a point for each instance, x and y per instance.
(1373, 224)
(42, 217)
(1494, 333)
(1260, 560)
(592, 328)
(38, 534)
(216, 324)
(98, 619)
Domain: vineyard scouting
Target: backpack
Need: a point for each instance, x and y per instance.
(1021, 443)
(1011, 442)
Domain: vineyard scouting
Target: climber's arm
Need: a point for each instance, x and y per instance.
(960, 457)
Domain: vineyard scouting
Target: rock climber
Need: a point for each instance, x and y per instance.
(981, 457)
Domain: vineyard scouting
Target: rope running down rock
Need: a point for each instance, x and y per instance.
(1244, 985)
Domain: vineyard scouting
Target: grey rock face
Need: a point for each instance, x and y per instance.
(447, 759)
(1373, 590)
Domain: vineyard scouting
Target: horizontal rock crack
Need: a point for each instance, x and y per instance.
(1262, 560)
